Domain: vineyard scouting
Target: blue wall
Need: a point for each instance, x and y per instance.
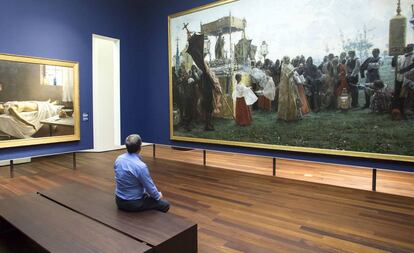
(156, 77)
(62, 29)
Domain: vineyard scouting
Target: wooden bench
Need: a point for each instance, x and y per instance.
(57, 229)
(165, 232)
(14, 241)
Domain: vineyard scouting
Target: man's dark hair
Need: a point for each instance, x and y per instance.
(378, 84)
(238, 77)
(133, 143)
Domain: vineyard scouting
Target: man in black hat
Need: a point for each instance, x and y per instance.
(352, 67)
(371, 66)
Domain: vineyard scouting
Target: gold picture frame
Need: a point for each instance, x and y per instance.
(178, 24)
(39, 101)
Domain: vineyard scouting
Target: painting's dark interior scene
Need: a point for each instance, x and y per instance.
(36, 100)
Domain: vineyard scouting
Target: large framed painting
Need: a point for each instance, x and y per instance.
(39, 101)
(331, 77)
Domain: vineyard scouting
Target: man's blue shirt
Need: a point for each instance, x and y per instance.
(132, 178)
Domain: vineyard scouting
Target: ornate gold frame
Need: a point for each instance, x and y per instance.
(251, 144)
(76, 108)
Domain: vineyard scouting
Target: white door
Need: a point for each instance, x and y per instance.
(106, 93)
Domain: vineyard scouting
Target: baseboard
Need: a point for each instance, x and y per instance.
(15, 161)
(104, 149)
(181, 148)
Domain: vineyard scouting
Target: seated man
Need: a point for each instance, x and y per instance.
(135, 190)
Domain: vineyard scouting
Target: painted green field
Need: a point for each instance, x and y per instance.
(356, 130)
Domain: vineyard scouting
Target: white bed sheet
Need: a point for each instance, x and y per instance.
(10, 126)
(17, 129)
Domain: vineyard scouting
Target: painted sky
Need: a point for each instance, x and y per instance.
(301, 27)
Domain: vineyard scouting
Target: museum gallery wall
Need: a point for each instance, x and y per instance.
(302, 76)
(63, 30)
(50, 29)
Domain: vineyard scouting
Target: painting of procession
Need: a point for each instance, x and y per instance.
(331, 77)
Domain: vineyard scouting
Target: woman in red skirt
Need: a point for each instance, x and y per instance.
(243, 97)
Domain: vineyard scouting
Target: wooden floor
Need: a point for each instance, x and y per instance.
(398, 183)
(244, 212)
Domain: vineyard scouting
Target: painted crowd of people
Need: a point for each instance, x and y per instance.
(295, 87)
(337, 83)
(315, 88)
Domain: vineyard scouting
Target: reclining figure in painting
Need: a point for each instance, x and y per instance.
(17, 116)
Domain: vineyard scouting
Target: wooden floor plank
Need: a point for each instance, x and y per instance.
(239, 212)
(333, 174)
